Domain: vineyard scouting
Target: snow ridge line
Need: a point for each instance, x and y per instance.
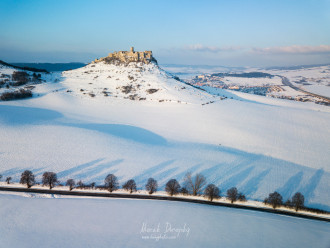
(163, 198)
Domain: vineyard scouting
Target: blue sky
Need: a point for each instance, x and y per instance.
(230, 33)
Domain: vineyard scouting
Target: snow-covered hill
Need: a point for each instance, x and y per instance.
(134, 81)
(255, 143)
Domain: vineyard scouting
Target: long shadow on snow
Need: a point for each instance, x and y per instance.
(132, 133)
(151, 172)
(251, 186)
(97, 169)
(291, 185)
(78, 168)
(15, 115)
(308, 190)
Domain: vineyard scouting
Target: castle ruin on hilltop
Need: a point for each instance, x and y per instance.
(128, 57)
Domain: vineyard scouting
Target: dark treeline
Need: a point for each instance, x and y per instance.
(194, 185)
(51, 66)
(255, 74)
(26, 68)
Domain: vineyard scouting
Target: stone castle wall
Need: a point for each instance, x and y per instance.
(129, 56)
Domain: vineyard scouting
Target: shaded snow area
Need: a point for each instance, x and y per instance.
(255, 143)
(83, 222)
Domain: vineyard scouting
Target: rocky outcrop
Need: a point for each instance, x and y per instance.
(126, 57)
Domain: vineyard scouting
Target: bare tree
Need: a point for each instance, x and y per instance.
(241, 197)
(111, 182)
(232, 194)
(298, 201)
(71, 183)
(184, 191)
(130, 186)
(274, 199)
(92, 185)
(27, 178)
(212, 192)
(151, 185)
(288, 203)
(8, 179)
(194, 184)
(50, 179)
(172, 187)
(80, 184)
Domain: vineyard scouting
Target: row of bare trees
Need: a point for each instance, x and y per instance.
(276, 200)
(192, 185)
(48, 179)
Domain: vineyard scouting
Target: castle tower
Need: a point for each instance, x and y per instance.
(132, 49)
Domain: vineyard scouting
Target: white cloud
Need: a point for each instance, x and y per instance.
(213, 49)
(295, 49)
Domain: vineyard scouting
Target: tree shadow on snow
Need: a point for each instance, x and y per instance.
(16, 115)
(127, 132)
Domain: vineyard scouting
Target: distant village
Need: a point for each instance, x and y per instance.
(269, 90)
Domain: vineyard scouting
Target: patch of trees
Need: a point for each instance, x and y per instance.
(21, 78)
(26, 68)
(18, 94)
(233, 195)
(297, 201)
(245, 75)
(274, 199)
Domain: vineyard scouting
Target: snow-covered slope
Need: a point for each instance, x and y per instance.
(134, 81)
(255, 143)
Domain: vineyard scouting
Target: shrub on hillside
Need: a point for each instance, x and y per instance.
(21, 77)
(20, 94)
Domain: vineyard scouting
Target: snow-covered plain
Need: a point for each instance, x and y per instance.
(255, 143)
(314, 79)
(33, 221)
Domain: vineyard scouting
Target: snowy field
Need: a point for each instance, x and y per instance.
(252, 81)
(314, 79)
(30, 221)
(255, 143)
